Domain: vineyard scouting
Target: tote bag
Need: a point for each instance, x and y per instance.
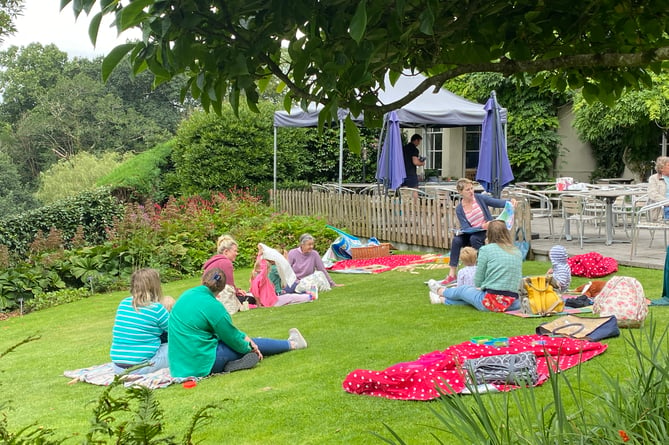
(586, 328)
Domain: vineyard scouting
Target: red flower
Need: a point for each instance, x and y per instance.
(624, 436)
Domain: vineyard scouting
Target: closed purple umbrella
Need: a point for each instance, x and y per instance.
(494, 170)
(390, 169)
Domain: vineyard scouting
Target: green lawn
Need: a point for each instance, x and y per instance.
(294, 398)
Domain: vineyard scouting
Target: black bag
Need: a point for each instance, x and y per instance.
(587, 328)
(521, 242)
(512, 369)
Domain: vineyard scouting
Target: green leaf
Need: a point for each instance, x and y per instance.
(94, 27)
(132, 14)
(352, 135)
(114, 57)
(359, 22)
(590, 92)
(427, 21)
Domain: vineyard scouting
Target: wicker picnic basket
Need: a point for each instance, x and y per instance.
(360, 253)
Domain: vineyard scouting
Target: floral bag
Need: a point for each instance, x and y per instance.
(623, 297)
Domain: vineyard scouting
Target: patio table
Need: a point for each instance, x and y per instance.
(609, 196)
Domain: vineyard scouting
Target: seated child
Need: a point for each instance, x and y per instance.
(466, 274)
(560, 272)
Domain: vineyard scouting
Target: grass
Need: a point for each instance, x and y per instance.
(294, 398)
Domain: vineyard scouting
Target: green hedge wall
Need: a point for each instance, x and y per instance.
(94, 211)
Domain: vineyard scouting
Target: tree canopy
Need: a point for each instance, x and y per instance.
(629, 133)
(338, 52)
(9, 11)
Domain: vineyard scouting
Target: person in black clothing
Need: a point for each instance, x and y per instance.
(412, 159)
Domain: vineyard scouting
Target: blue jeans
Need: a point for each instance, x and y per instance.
(476, 240)
(472, 296)
(158, 361)
(267, 346)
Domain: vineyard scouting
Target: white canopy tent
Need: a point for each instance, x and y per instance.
(439, 108)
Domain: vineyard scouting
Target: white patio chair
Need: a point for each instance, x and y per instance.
(624, 208)
(573, 207)
(319, 188)
(336, 188)
(408, 192)
(373, 189)
(540, 206)
(649, 217)
(595, 210)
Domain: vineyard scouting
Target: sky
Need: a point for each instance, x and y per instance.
(43, 22)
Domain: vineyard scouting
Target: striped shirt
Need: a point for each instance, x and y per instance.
(475, 215)
(136, 333)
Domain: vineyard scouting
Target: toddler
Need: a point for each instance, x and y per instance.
(466, 274)
(560, 272)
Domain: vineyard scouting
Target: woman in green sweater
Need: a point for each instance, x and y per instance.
(499, 270)
(204, 341)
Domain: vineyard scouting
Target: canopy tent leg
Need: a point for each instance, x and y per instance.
(274, 170)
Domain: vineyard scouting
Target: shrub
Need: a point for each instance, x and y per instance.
(175, 238)
(140, 178)
(93, 212)
(55, 298)
(69, 177)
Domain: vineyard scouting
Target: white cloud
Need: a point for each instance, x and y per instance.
(43, 22)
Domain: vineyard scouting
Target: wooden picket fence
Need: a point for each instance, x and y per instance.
(413, 221)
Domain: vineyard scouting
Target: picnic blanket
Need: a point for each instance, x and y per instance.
(592, 265)
(417, 380)
(103, 375)
(385, 263)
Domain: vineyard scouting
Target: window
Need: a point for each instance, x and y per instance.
(472, 144)
(436, 145)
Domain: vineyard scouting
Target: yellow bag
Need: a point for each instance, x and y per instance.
(541, 298)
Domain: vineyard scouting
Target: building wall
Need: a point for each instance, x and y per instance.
(575, 158)
(453, 159)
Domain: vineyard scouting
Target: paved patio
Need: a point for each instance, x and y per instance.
(647, 257)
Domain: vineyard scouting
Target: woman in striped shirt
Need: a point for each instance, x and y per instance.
(139, 335)
(474, 215)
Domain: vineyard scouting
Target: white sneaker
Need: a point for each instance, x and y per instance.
(434, 298)
(296, 338)
(434, 286)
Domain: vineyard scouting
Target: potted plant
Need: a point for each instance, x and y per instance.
(431, 174)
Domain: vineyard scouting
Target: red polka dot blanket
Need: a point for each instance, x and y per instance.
(592, 265)
(417, 380)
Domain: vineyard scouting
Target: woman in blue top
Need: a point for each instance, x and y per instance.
(473, 215)
(141, 325)
(499, 271)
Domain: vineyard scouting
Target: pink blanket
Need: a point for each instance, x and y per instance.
(390, 262)
(417, 380)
